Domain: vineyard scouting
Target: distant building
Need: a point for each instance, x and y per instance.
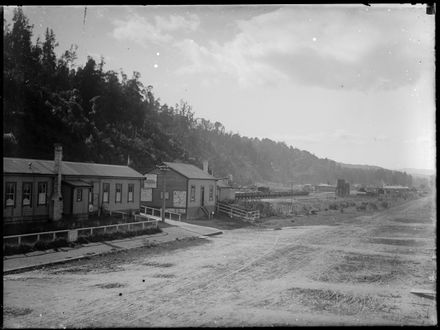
(225, 191)
(189, 190)
(395, 190)
(325, 188)
(38, 190)
(308, 187)
(342, 188)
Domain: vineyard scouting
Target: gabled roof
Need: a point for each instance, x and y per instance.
(222, 184)
(189, 171)
(395, 187)
(38, 166)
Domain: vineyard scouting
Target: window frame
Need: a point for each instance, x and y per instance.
(40, 184)
(79, 194)
(104, 191)
(30, 193)
(192, 195)
(14, 193)
(91, 195)
(116, 193)
(211, 192)
(130, 200)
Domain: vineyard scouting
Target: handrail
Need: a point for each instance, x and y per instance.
(39, 233)
(146, 208)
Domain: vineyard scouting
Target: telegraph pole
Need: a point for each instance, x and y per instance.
(163, 169)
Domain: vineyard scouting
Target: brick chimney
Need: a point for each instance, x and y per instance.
(57, 199)
(205, 166)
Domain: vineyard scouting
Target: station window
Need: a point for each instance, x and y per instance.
(211, 192)
(193, 193)
(118, 195)
(131, 192)
(10, 194)
(42, 193)
(79, 194)
(105, 192)
(27, 193)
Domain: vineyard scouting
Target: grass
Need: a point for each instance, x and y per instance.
(360, 268)
(221, 222)
(110, 285)
(16, 311)
(42, 245)
(157, 264)
(63, 224)
(340, 303)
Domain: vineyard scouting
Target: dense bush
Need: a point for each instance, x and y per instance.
(116, 235)
(17, 249)
(333, 206)
(42, 245)
(372, 206)
(102, 116)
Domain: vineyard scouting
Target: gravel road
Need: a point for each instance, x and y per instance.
(358, 273)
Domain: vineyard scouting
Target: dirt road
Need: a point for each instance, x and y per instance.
(357, 273)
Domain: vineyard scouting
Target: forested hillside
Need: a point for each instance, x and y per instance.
(105, 116)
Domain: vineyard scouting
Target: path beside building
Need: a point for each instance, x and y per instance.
(180, 230)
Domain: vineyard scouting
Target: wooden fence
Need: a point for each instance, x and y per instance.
(236, 212)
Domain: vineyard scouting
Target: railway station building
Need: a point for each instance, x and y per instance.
(41, 190)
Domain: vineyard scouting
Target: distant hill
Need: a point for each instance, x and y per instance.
(418, 172)
(364, 167)
(105, 117)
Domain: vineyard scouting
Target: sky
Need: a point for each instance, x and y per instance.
(352, 83)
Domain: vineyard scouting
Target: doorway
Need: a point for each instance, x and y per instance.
(202, 196)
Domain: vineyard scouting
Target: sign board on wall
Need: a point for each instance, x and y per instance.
(150, 181)
(146, 195)
(179, 198)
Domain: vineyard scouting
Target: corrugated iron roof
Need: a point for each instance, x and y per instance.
(77, 183)
(189, 171)
(222, 184)
(38, 166)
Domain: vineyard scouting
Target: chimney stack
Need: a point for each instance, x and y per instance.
(57, 199)
(205, 166)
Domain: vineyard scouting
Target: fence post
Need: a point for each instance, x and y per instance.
(19, 240)
(54, 236)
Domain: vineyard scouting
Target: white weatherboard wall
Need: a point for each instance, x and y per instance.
(193, 210)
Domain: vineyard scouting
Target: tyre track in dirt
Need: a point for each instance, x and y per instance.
(269, 275)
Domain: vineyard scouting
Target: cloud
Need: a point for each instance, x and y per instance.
(215, 59)
(327, 47)
(142, 30)
(174, 23)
